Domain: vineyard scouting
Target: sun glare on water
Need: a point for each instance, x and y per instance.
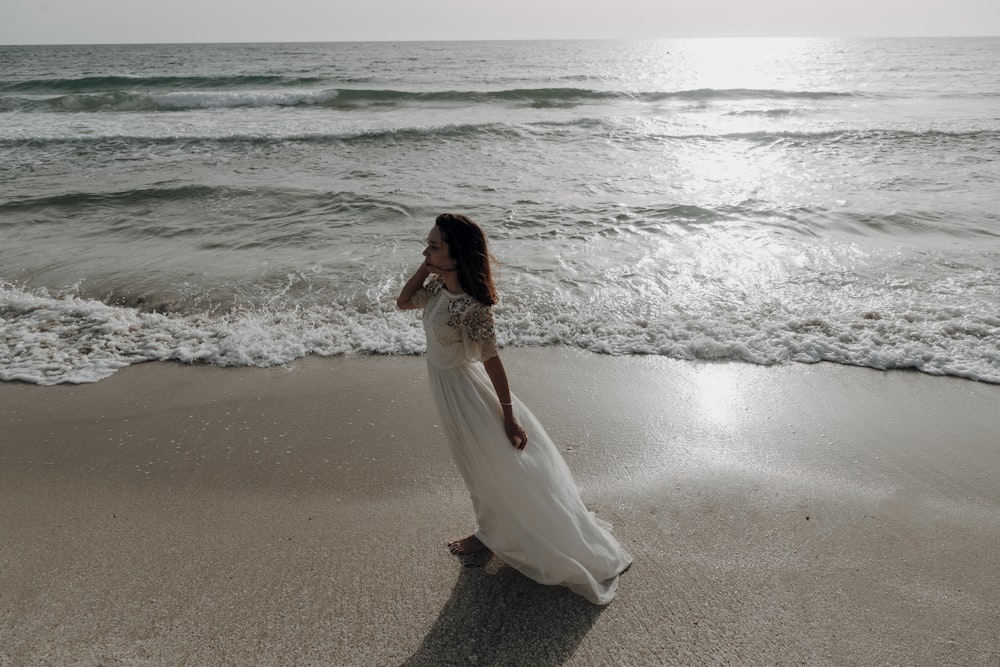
(743, 64)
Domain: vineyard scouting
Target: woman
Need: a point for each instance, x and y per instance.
(529, 511)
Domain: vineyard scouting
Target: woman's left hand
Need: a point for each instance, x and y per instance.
(518, 438)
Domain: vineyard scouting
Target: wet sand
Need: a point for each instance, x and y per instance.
(192, 515)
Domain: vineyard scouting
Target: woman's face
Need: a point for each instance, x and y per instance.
(436, 253)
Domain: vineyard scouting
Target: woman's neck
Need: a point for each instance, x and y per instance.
(451, 282)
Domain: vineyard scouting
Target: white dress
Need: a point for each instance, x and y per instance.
(527, 505)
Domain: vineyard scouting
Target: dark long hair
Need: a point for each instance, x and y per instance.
(467, 246)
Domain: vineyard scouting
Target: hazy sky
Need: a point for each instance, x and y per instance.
(129, 21)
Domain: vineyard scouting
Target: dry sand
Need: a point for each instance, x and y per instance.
(819, 515)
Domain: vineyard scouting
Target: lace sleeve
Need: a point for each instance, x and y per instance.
(478, 333)
(424, 294)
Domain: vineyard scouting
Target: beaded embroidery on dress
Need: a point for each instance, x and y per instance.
(455, 319)
(526, 503)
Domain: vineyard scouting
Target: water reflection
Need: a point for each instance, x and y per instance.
(715, 394)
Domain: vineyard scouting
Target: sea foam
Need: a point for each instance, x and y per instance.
(51, 340)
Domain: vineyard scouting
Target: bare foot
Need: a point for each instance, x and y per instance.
(467, 546)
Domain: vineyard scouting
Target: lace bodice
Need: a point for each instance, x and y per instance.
(459, 329)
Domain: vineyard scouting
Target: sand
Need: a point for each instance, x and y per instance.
(192, 515)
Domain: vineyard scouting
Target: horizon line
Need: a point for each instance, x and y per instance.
(503, 39)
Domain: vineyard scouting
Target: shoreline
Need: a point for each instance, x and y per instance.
(177, 514)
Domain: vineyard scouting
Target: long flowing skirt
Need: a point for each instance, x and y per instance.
(527, 505)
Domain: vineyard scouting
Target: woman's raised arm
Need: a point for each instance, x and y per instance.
(405, 299)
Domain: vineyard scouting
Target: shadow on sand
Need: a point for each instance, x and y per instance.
(497, 616)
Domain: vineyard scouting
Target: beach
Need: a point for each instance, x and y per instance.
(298, 515)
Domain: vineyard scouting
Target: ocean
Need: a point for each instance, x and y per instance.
(758, 201)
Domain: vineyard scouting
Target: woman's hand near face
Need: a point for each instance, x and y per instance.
(416, 281)
(436, 270)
